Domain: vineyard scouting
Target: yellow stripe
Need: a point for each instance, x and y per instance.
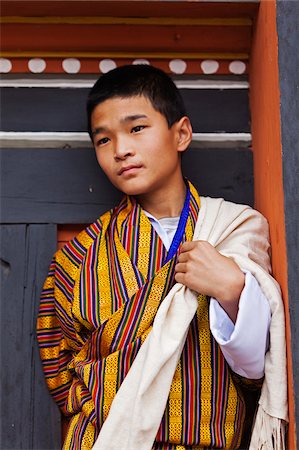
(231, 412)
(206, 370)
(126, 268)
(213, 21)
(111, 378)
(105, 309)
(88, 436)
(125, 262)
(110, 381)
(72, 271)
(84, 239)
(148, 315)
(144, 241)
(125, 55)
(67, 265)
(175, 406)
(63, 378)
(154, 298)
(70, 431)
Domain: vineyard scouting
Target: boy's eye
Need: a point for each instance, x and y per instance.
(102, 141)
(137, 128)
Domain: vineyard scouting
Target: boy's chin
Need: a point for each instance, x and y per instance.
(133, 192)
(131, 189)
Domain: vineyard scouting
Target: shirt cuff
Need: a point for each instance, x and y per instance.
(244, 343)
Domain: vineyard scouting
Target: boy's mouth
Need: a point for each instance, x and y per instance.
(129, 169)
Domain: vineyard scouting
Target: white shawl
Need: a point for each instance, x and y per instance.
(239, 232)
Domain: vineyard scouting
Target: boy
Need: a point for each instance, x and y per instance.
(137, 319)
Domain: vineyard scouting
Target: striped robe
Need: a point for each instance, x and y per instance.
(97, 307)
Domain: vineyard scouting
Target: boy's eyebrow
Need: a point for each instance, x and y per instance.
(133, 117)
(99, 130)
(125, 119)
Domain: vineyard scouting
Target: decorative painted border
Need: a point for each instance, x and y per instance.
(192, 64)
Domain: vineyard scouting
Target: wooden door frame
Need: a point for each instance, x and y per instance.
(272, 86)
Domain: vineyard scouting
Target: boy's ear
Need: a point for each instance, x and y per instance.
(184, 133)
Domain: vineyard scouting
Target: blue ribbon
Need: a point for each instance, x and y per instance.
(177, 238)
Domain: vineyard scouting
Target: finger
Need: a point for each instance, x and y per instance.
(181, 267)
(187, 246)
(179, 278)
(183, 257)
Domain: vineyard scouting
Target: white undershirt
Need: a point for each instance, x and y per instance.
(244, 343)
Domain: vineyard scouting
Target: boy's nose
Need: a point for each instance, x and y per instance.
(123, 150)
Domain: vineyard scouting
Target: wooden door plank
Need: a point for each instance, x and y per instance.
(30, 419)
(68, 186)
(56, 109)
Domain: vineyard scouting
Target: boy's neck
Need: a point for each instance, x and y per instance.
(166, 203)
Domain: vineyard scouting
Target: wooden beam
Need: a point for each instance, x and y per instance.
(267, 153)
(98, 39)
(128, 8)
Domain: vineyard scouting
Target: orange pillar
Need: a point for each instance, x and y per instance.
(267, 156)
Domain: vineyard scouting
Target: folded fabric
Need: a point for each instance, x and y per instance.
(239, 232)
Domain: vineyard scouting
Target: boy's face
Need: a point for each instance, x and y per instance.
(135, 148)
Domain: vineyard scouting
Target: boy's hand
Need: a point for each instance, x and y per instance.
(203, 269)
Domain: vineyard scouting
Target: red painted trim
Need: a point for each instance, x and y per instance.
(127, 8)
(267, 152)
(124, 38)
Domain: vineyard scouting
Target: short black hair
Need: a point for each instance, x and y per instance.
(136, 80)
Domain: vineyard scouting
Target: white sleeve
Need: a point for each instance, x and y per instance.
(244, 343)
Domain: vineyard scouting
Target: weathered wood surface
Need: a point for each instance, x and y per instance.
(29, 417)
(68, 186)
(57, 109)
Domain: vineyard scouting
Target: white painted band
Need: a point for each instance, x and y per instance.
(29, 139)
(88, 83)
